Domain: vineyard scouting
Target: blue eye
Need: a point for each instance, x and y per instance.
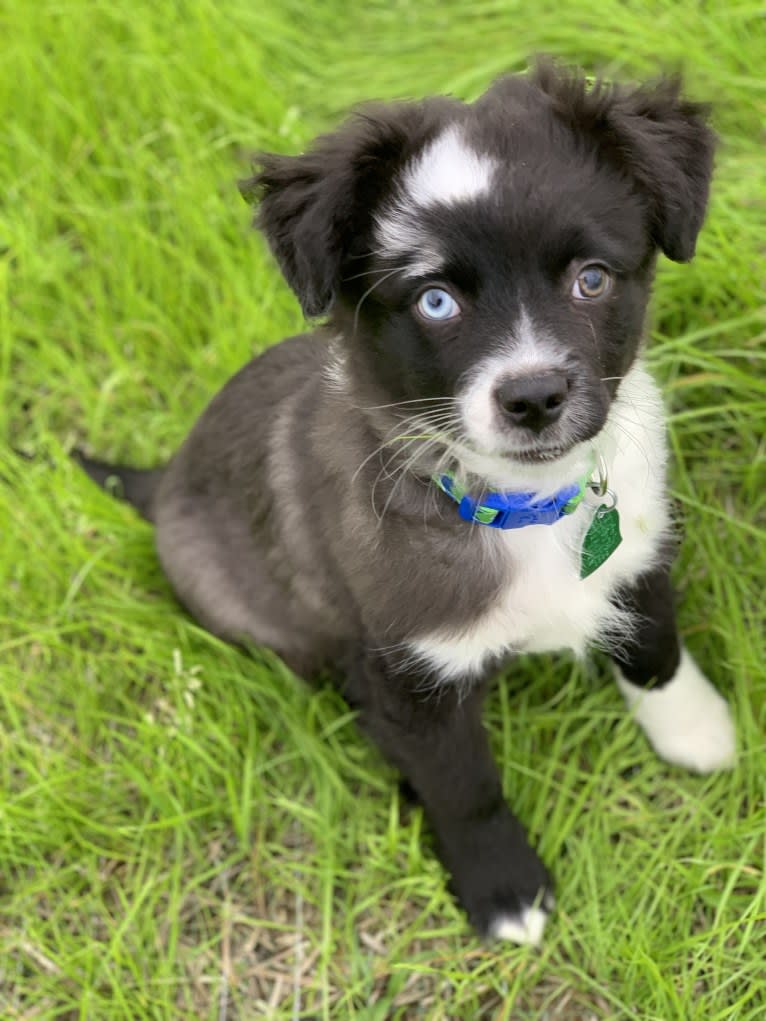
(437, 304)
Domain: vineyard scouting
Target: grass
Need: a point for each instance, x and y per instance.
(186, 832)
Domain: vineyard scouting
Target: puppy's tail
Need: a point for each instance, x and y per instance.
(137, 486)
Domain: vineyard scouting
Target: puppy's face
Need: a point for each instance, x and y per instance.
(511, 273)
(495, 259)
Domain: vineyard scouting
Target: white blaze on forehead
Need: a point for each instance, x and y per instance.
(447, 172)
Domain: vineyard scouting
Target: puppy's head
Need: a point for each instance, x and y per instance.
(497, 256)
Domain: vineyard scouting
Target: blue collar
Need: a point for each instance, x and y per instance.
(512, 510)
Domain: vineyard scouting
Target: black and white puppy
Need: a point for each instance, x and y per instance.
(425, 486)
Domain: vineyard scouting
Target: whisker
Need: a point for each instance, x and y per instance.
(431, 431)
(414, 400)
(372, 272)
(620, 425)
(369, 291)
(383, 446)
(427, 432)
(403, 472)
(384, 472)
(423, 429)
(368, 255)
(438, 433)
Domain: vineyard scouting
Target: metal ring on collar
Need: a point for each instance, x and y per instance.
(610, 495)
(601, 487)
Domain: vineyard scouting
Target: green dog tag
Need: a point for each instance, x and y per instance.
(601, 540)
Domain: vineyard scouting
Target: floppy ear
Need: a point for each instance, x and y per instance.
(317, 207)
(653, 135)
(299, 204)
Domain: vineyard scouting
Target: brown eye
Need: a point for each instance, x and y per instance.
(591, 282)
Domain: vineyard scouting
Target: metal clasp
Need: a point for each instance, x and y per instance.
(600, 486)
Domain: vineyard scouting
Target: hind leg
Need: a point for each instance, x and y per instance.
(219, 577)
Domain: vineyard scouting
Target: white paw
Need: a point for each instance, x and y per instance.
(526, 928)
(686, 721)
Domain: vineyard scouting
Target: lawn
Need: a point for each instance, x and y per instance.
(187, 831)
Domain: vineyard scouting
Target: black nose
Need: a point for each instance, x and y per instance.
(533, 401)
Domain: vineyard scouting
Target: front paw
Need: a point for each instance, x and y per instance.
(686, 721)
(523, 927)
(501, 883)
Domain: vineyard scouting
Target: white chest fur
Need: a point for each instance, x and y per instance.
(545, 605)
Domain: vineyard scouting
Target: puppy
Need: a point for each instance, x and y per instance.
(467, 461)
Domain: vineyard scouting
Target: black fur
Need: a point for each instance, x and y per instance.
(651, 656)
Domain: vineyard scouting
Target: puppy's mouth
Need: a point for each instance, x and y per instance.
(538, 455)
(563, 438)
